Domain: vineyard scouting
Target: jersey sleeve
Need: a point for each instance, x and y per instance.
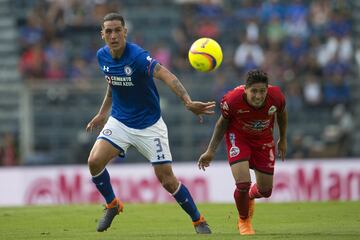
(99, 59)
(280, 99)
(146, 63)
(225, 107)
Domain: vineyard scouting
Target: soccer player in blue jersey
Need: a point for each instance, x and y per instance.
(136, 119)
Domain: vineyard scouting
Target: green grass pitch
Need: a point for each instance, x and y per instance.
(328, 220)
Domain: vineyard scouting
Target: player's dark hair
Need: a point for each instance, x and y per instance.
(112, 17)
(256, 76)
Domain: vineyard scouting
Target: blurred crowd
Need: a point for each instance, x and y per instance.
(306, 47)
(47, 53)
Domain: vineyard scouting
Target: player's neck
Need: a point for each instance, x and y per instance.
(116, 54)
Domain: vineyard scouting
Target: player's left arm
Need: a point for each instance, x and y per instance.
(197, 107)
(282, 120)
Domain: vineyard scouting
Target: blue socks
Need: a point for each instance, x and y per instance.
(102, 182)
(183, 197)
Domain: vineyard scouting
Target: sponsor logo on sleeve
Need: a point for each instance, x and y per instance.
(272, 110)
(225, 106)
(242, 111)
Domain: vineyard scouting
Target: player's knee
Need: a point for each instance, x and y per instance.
(169, 184)
(243, 186)
(266, 193)
(95, 165)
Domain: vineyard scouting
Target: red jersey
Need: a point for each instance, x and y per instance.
(252, 123)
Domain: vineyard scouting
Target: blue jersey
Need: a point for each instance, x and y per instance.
(135, 99)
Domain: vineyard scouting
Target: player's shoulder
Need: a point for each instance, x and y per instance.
(235, 92)
(134, 50)
(103, 52)
(276, 96)
(275, 91)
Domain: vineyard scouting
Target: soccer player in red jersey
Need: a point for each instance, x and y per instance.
(247, 121)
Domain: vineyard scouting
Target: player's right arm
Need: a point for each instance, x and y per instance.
(196, 107)
(99, 120)
(218, 134)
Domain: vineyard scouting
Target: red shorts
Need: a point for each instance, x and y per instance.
(260, 154)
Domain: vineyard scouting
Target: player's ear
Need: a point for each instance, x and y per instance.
(102, 34)
(125, 30)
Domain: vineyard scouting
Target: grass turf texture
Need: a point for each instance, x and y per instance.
(329, 220)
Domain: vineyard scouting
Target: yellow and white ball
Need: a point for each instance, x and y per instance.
(205, 55)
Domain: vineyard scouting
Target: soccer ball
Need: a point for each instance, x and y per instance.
(205, 55)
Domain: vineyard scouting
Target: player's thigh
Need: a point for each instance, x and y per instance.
(237, 149)
(153, 143)
(241, 171)
(263, 158)
(116, 134)
(264, 181)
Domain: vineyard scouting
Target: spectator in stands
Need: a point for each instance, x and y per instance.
(298, 148)
(207, 27)
(248, 55)
(272, 9)
(224, 81)
(246, 11)
(294, 100)
(79, 73)
(55, 71)
(338, 46)
(320, 11)
(295, 48)
(209, 9)
(295, 22)
(32, 62)
(337, 134)
(162, 53)
(275, 31)
(181, 48)
(312, 91)
(31, 32)
(336, 90)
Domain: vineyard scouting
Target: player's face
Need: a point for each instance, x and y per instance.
(114, 35)
(256, 94)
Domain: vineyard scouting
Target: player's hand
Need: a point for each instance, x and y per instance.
(201, 108)
(282, 146)
(205, 160)
(97, 122)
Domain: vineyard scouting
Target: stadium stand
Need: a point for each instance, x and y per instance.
(355, 81)
(10, 95)
(47, 105)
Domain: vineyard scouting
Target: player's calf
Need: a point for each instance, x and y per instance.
(251, 208)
